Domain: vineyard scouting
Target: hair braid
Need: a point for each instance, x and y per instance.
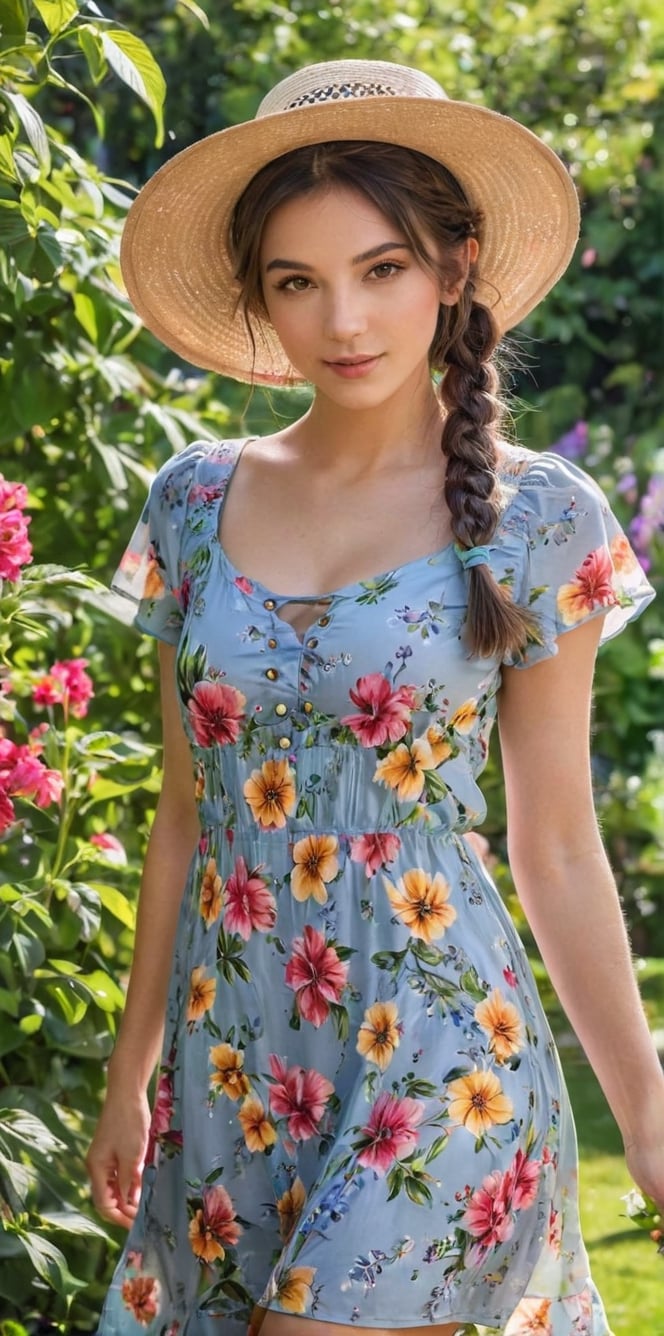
(464, 344)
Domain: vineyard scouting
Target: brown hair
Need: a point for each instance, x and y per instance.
(427, 204)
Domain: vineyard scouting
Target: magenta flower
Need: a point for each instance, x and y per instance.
(66, 684)
(15, 547)
(385, 714)
(317, 975)
(23, 775)
(488, 1216)
(391, 1131)
(249, 905)
(524, 1175)
(216, 713)
(299, 1095)
(7, 812)
(375, 851)
(111, 847)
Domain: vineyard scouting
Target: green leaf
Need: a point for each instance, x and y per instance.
(84, 309)
(134, 63)
(116, 903)
(103, 989)
(72, 1222)
(13, 227)
(21, 1176)
(19, 1125)
(50, 1264)
(13, 20)
(33, 126)
(196, 11)
(56, 13)
(90, 43)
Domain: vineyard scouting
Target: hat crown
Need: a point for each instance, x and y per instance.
(337, 80)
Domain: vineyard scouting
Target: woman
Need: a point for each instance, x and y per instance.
(360, 1118)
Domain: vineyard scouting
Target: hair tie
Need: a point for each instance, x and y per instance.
(472, 556)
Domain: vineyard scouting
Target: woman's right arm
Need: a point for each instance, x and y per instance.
(115, 1158)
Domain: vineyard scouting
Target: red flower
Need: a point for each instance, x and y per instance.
(591, 588)
(524, 1175)
(248, 904)
(390, 1132)
(23, 775)
(488, 1216)
(214, 1225)
(216, 713)
(15, 547)
(141, 1296)
(375, 850)
(385, 714)
(317, 975)
(300, 1096)
(67, 684)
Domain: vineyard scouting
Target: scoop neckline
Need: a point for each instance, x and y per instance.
(428, 558)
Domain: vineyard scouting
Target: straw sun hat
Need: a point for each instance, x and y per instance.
(174, 257)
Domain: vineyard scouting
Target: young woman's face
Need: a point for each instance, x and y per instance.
(353, 308)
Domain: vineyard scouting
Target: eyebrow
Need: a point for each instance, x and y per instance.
(357, 259)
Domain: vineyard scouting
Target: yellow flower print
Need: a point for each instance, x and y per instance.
(258, 1130)
(464, 718)
(502, 1023)
(154, 581)
(622, 556)
(202, 993)
(270, 793)
(379, 1034)
(229, 1075)
(532, 1317)
(403, 768)
(478, 1102)
(294, 1288)
(315, 863)
(210, 897)
(289, 1207)
(421, 901)
(439, 744)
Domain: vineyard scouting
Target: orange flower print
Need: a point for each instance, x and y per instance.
(289, 1207)
(229, 1075)
(532, 1317)
(154, 581)
(141, 1295)
(315, 859)
(464, 717)
(478, 1102)
(379, 1034)
(403, 768)
(210, 897)
(503, 1024)
(201, 994)
(270, 793)
(438, 742)
(591, 588)
(623, 557)
(294, 1288)
(258, 1130)
(214, 1226)
(421, 901)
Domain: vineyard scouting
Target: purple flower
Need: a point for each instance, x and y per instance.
(650, 519)
(573, 443)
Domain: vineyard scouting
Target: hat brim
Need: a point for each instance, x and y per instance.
(174, 258)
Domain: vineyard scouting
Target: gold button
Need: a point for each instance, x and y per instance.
(311, 644)
(284, 743)
(323, 621)
(269, 603)
(271, 674)
(281, 709)
(272, 644)
(307, 707)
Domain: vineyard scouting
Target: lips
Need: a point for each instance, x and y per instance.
(352, 361)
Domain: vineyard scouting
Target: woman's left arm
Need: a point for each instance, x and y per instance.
(568, 892)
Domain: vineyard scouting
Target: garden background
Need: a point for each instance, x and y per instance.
(92, 100)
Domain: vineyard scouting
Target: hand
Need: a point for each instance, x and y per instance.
(116, 1156)
(646, 1165)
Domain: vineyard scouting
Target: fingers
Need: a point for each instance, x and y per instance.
(116, 1186)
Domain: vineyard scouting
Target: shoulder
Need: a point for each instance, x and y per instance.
(533, 472)
(547, 496)
(199, 473)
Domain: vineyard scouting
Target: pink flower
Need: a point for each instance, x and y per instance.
(374, 851)
(390, 1132)
(30, 778)
(249, 905)
(524, 1175)
(115, 851)
(206, 492)
(591, 588)
(510, 977)
(488, 1216)
(66, 684)
(163, 1105)
(317, 975)
(15, 547)
(7, 813)
(13, 495)
(244, 584)
(300, 1095)
(216, 713)
(385, 714)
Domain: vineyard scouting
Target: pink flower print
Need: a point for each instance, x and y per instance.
(555, 1234)
(488, 1216)
(385, 714)
(245, 585)
(375, 851)
(214, 1226)
(390, 1132)
(525, 1176)
(216, 713)
(141, 1295)
(206, 492)
(162, 1117)
(249, 905)
(299, 1095)
(510, 977)
(317, 975)
(591, 588)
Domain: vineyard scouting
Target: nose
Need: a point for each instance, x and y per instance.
(344, 316)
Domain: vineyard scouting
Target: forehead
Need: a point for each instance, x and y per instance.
(332, 213)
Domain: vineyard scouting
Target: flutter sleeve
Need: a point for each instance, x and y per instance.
(149, 573)
(576, 561)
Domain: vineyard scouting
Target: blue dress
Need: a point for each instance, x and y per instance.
(360, 1113)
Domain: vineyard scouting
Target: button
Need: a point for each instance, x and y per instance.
(324, 621)
(311, 644)
(281, 709)
(284, 743)
(269, 603)
(307, 707)
(272, 644)
(271, 674)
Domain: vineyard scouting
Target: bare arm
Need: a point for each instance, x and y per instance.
(568, 891)
(116, 1155)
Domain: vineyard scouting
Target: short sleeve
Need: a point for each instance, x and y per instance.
(576, 561)
(149, 573)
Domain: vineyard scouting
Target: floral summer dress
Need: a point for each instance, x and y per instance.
(360, 1113)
